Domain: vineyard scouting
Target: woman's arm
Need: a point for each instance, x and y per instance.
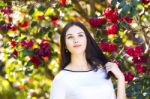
(121, 94)
(113, 67)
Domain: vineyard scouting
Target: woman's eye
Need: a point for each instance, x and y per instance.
(81, 35)
(69, 37)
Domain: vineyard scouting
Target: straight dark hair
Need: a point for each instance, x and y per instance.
(94, 54)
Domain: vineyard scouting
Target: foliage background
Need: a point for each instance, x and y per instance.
(29, 42)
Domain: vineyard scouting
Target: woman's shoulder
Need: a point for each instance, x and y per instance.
(60, 77)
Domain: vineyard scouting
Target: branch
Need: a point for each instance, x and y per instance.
(92, 5)
(80, 9)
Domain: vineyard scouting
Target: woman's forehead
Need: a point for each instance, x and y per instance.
(74, 30)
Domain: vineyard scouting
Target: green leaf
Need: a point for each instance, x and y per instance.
(2, 23)
(6, 44)
(104, 40)
(98, 34)
(34, 23)
(44, 30)
(122, 24)
(31, 11)
(42, 8)
(28, 71)
(28, 64)
(114, 2)
(133, 11)
(122, 4)
(50, 34)
(139, 96)
(135, 2)
(3, 4)
(25, 52)
(118, 40)
(125, 10)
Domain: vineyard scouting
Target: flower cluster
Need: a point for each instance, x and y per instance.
(111, 17)
(137, 57)
(42, 52)
(108, 47)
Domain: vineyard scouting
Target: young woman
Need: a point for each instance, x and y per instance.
(84, 70)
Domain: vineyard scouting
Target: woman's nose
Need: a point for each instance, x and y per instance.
(75, 40)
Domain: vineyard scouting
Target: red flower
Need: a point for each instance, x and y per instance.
(13, 28)
(134, 51)
(24, 24)
(7, 10)
(138, 50)
(145, 1)
(128, 76)
(113, 17)
(44, 44)
(112, 47)
(44, 50)
(107, 12)
(63, 2)
(54, 20)
(6, 26)
(129, 51)
(41, 17)
(28, 44)
(107, 47)
(97, 22)
(139, 59)
(13, 43)
(126, 19)
(15, 53)
(35, 60)
(111, 14)
(113, 29)
(140, 68)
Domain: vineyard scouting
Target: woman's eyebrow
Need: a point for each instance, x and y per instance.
(77, 33)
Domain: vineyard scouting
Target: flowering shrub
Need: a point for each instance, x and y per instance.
(29, 42)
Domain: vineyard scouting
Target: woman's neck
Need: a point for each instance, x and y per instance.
(79, 62)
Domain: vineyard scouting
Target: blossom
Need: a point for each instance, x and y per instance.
(128, 76)
(108, 47)
(24, 24)
(134, 51)
(97, 22)
(35, 60)
(111, 15)
(139, 59)
(112, 29)
(140, 68)
(126, 19)
(27, 44)
(13, 43)
(15, 53)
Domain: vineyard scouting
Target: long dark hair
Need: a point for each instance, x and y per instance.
(94, 54)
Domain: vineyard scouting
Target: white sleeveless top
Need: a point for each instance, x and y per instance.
(82, 85)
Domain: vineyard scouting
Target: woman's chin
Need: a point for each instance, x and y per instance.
(78, 52)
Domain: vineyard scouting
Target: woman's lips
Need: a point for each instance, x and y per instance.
(76, 46)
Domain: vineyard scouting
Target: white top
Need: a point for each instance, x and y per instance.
(82, 85)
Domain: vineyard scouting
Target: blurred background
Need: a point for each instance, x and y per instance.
(29, 42)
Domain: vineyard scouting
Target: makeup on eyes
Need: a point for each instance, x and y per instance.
(70, 35)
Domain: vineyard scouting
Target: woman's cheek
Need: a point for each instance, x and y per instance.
(69, 45)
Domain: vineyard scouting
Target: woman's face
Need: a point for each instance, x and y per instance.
(76, 40)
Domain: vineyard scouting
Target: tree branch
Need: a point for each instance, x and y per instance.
(80, 9)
